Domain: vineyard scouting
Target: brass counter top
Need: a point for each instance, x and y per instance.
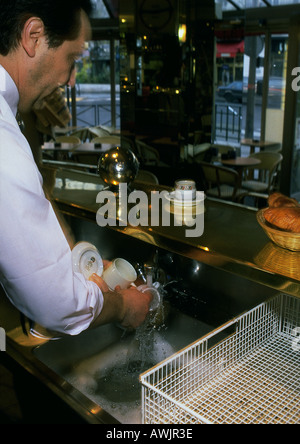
(232, 242)
(232, 239)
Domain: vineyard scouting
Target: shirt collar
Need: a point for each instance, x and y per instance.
(9, 90)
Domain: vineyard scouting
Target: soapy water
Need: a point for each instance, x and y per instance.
(120, 383)
(111, 379)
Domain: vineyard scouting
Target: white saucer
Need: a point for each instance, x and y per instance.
(86, 259)
(200, 196)
(186, 212)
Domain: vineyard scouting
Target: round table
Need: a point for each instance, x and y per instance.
(239, 163)
(255, 143)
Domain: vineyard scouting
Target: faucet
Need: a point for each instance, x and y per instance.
(153, 276)
(154, 271)
(148, 276)
(150, 272)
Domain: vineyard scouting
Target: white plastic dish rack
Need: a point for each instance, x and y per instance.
(250, 376)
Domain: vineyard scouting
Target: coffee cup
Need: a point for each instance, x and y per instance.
(119, 273)
(155, 296)
(185, 189)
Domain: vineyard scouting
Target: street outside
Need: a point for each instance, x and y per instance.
(228, 115)
(94, 105)
(94, 109)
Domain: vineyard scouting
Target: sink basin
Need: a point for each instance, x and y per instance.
(104, 364)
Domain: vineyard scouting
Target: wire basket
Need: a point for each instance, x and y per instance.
(247, 371)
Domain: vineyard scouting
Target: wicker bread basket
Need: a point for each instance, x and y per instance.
(279, 260)
(285, 239)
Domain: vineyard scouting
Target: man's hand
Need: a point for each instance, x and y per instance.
(100, 282)
(136, 307)
(128, 307)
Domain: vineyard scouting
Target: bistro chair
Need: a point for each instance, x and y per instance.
(199, 153)
(83, 134)
(262, 178)
(221, 182)
(89, 133)
(147, 154)
(146, 177)
(99, 131)
(129, 144)
(274, 148)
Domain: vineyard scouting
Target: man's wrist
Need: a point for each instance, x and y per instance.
(114, 305)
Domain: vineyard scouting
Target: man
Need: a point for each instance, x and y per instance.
(39, 44)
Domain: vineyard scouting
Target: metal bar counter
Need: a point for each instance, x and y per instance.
(232, 243)
(232, 239)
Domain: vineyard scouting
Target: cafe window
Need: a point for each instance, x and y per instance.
(250, 88)
(235, 5)
(99, 9)
(97, 85)
(95, 101)
(275, 87)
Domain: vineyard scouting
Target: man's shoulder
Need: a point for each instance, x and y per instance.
(6, 114)
(16, 160)
(8, 125)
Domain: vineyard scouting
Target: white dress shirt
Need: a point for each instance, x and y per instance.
(35, 258)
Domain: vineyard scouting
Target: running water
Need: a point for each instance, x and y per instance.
(120, 383)
(143, 345)
(113, 381)
(141, 348)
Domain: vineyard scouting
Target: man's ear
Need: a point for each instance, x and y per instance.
(32, 33)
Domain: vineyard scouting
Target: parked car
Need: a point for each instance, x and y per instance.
(232, 92)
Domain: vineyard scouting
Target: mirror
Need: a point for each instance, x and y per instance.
(167, 79)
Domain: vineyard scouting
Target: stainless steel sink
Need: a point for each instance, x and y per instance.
(104, 364)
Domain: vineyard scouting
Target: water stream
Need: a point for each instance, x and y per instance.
(114, 383)
(120, 383)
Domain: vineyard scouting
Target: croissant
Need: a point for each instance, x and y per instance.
(277, 200)
(285, 218)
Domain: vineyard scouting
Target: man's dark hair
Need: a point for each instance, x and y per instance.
(60, 17)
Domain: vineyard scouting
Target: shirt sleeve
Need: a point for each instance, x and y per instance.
(35, 263)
